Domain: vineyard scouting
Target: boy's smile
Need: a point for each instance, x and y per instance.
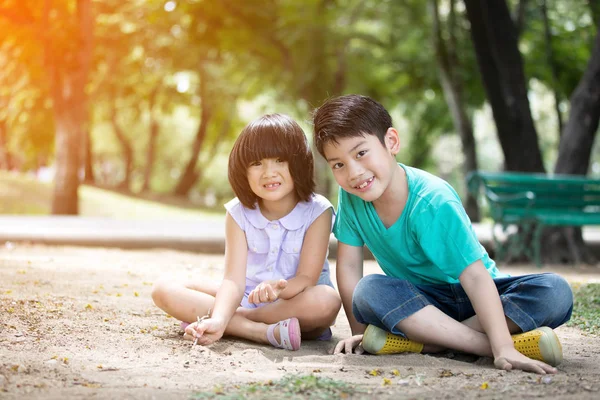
(362, 165)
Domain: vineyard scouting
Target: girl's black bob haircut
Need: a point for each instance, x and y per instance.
(271, 136)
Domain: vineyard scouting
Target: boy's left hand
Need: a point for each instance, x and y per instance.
(510, 358)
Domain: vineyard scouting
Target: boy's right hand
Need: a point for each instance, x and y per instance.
(208, 331)
(349, 345)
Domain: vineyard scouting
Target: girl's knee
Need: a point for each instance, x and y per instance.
(160, 291)
(328, 303)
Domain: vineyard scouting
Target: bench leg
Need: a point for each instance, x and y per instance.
(537, 244)
(499, 248)
(570, 238)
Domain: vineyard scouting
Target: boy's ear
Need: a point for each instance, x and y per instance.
(392, 141)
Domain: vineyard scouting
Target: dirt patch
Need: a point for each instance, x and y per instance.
(79, 322)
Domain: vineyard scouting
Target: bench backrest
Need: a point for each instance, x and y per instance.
(520, 194)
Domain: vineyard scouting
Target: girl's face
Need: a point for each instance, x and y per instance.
(270, 180)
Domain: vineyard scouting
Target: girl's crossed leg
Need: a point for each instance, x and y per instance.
(316, 309)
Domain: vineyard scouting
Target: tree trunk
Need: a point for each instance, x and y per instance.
(452, 87)
(69, 107)
(553, 65)
(88, 163)
(595, 11)
(68, 146)
(578, 137)
(151, 151)
(519, 17)
(566, 245)
(126, 147)
(189, 177)
(5, 158)
(495, 41)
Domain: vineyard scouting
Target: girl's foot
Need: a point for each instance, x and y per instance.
(288, 332)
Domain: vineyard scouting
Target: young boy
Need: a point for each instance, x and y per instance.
(440, 290)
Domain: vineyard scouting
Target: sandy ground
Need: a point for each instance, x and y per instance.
(79, 323)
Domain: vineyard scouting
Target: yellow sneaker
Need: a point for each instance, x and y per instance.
(540, 344)
(377, 341)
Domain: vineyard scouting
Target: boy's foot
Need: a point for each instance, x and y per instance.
(377, 341)
(539, 344)
(289, 334)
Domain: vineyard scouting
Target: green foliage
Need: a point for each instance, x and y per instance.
(586, 309)
(167, 65)
(289, 387)
(572, 30)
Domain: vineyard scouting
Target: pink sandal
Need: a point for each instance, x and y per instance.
(289, 332)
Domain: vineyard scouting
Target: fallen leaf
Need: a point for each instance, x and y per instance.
(484, 386)
(445, 373)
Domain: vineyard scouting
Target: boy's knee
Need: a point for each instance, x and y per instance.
(368, 290)
(562, 292)
(365, 287)
(559, 295)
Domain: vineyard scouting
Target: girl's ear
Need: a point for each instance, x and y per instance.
(392, 141)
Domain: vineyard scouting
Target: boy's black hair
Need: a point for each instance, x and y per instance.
(349, 116)
(271, 136)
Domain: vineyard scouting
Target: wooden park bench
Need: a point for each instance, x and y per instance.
(530, 202)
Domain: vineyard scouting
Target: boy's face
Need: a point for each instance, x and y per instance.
(362, 165)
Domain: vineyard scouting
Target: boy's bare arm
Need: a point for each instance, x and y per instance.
(349, 270)
(482, 292)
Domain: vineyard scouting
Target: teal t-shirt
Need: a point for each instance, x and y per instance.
(432, 242)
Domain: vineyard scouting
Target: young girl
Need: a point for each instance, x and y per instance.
(276, 285)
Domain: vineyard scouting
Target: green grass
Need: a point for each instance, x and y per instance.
(586, 309)
(289, 387)
(23, 195)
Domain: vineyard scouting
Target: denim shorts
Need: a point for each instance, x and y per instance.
(324, 279)
(530, 301)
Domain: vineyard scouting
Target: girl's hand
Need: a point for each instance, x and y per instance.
(207, 332)
(510, 358)
(267, 291)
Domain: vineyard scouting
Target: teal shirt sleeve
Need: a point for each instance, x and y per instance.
(344, 227)
(448, 240)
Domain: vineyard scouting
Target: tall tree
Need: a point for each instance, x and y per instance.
(190, 176)
(567, 245)
(501, 66)
(552, 64)
(580, 131)
(67, 65)
(450, 79)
